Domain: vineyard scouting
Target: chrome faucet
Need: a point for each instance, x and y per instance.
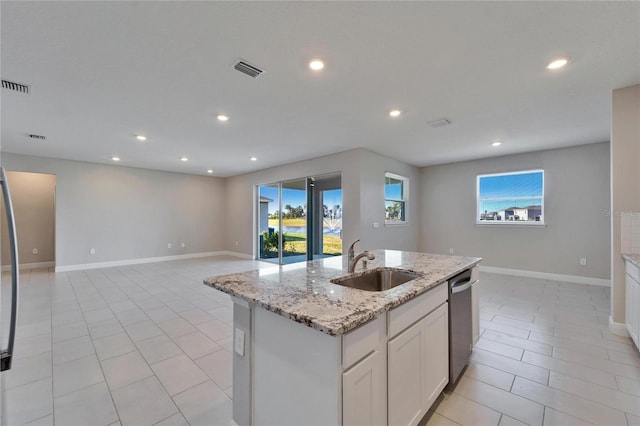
(353, 259)
(351, 253)
(354, 262)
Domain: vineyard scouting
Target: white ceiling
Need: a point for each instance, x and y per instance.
(101, 72)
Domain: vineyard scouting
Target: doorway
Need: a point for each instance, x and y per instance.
(33, 196)
(300, 219)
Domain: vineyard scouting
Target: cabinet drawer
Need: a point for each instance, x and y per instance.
(362, 341)
(632, 270)
(406, 314)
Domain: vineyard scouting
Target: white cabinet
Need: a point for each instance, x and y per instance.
(632, 302)
(388, 371)
(418, 367)
(405, 375)
(436, 353)
(364, 384)
(363, 392)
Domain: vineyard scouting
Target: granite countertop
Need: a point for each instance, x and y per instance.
(303, 292)
(633, 258)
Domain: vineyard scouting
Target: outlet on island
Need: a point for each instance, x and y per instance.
(169, 245)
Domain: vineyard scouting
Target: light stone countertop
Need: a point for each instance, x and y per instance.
(633, 258)
(302, 291)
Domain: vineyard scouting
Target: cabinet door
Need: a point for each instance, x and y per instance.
(436, 350)
(632, 309)
(628, 305)
(363, 401)
(405, 376)
(636, 313)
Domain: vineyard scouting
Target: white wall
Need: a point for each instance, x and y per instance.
(576, 213)
(362, 194)
(33, 197)
(625, 183)
(128, 213)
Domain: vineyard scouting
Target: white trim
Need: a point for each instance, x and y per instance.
(508, 223)
(236, 254)
(617, 328)
(547, 276)
(124, 262)
(35, 265)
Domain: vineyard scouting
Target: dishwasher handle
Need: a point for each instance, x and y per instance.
(461, 285)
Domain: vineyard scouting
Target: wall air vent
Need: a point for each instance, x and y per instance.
(36, 137)
(439, 123)
(16, 87)
(246, 68)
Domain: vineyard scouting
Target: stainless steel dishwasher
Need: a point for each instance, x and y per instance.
(460, 324)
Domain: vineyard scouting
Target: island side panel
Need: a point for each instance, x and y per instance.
(296, 373)
(242, 364)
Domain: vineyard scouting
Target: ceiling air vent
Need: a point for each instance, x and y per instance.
(36, 137)
(16, 87)
(246, 68)
(439, 123)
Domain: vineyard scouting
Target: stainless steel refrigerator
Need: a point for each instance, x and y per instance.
(8, 331)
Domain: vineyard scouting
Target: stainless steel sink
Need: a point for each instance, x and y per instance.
(378, 279)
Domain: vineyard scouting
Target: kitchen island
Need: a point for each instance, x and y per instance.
(307, 351)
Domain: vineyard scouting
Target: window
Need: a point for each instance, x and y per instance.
(511, 198)
(396, 194)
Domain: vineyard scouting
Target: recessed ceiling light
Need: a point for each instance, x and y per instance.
(316, 65)
(141, 138)
(395, 113)
(209, 171)
(222, 117)
(184, 159)
(496, 143)
(115, 158)
(254, 158)
(557, 63)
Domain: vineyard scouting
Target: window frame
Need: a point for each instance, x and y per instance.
(541, 222)
(404, 199)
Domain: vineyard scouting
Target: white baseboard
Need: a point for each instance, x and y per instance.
(236, 254)
(547, 276)
(35, 265)
(618, 328)
(97, 265)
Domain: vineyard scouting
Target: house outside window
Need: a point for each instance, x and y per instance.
(396, 197)
(511, 198)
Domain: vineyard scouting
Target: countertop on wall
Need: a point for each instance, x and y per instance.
(303, 292)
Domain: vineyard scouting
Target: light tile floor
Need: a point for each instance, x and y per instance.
(150, 344)
(545, 356)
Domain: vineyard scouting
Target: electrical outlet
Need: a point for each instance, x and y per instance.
(376, 225)
(34, 251)
(583, 261)
(169, 245)
(450, 251)
(236, 244)
(183, 245)
(92, 251)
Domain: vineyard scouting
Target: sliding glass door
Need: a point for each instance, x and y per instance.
(300, 219)
(294, 221)
(269, 222)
